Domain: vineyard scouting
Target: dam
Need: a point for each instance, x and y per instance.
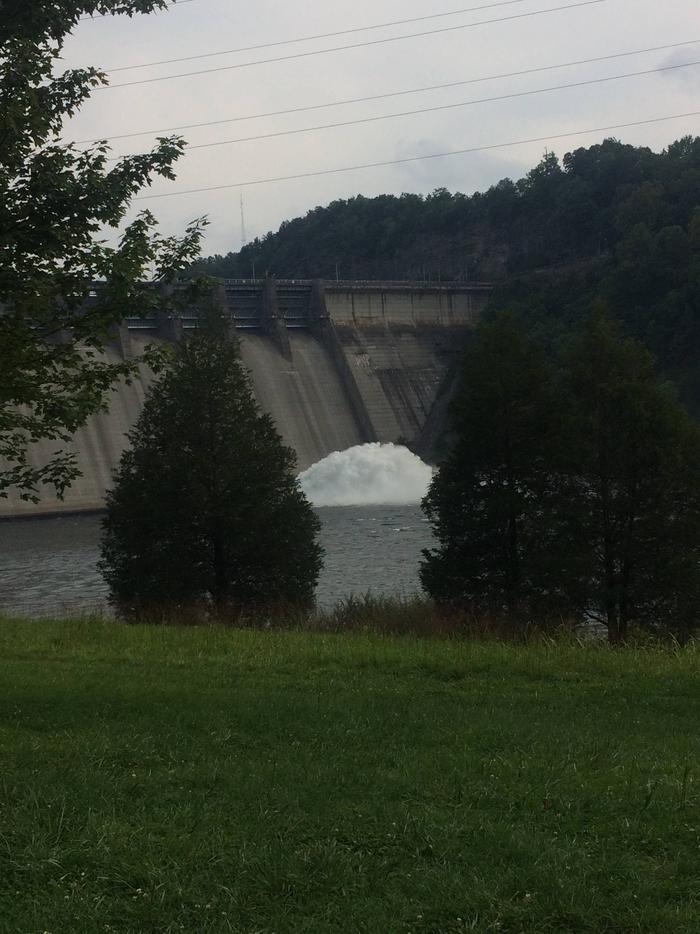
(336, 364)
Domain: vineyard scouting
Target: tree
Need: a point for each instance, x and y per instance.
(633, 456)
(54, 200)
(613, 223)
(205, 507)
(491, 500)
(574, 491)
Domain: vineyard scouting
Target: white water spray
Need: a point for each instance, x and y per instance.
(367, 475)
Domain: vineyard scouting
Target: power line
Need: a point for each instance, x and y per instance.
(440, 107)
(357, 45)
(437, 155)
(84, 19)
(324, 35)
(377, 97)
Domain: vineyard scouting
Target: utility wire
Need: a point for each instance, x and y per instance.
(324, 35)
(377, 97)
(357, 45)
(440, 107)
(84, 19)
(437, 155)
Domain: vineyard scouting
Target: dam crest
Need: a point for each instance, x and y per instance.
(336, 365)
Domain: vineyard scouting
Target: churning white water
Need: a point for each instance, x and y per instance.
(367, 475)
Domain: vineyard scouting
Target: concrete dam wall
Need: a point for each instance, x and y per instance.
(335, 364)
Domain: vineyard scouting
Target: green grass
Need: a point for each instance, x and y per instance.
(207, 780)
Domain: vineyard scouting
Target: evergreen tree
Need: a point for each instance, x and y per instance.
(633, 456)
(491, 502)
(577, 493)
(206, 508)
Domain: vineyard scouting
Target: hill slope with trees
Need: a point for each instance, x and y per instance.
(612, 225)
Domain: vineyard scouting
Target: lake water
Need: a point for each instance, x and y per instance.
(48, 566)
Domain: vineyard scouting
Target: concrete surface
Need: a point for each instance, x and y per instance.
(371, 362)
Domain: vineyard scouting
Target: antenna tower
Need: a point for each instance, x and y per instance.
(244, 239)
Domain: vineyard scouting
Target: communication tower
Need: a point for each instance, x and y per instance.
(244, 239)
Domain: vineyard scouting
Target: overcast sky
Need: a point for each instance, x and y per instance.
(206, 26)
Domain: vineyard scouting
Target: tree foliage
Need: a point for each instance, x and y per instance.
(634, 457)
(494, 500)
(55, 199)
(612, 223)
(206, 508)
(574, 486)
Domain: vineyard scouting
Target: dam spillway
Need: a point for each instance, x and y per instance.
(336, 364)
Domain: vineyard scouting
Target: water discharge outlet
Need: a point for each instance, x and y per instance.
(367, 475)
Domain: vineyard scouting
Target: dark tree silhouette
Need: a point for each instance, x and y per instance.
(206, 509)
(492, 504)
(575, 490)
(633, 454)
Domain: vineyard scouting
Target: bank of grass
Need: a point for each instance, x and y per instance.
(382, 615)
(159, 779)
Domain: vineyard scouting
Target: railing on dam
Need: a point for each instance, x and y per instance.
(262, 304)
(414, 285)
(407, 285)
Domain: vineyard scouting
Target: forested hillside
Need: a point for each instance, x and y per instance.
(612, 224)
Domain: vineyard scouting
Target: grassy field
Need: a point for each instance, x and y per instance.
(203, 780)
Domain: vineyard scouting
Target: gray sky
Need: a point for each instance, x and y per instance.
(204, 26)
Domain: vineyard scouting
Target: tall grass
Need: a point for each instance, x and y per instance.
(391, 616)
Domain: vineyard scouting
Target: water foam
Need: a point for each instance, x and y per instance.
(367, 475)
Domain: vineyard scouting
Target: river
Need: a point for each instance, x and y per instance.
(48, 566)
